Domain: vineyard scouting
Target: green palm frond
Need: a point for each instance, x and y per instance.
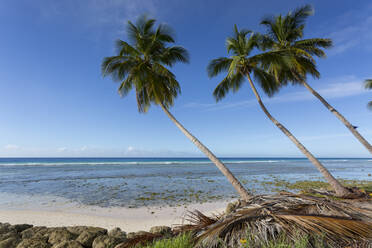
(299, 16)
(240, 64)
(218, 65)
(314, 46)
(142, 64)
(284, 33)
(368, 84)
(125, 49)
(267, 81)
(125, 87)
(164, 33)
(228, 83)
(171, 55)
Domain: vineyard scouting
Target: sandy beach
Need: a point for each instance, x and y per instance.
(128, 219)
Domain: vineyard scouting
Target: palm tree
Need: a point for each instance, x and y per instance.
(240, 65)
(285, 33)
(142, 64)
(368, 85)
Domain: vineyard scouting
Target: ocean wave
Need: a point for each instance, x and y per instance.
(135, 163)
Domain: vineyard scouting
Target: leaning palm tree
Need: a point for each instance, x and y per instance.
(368, 85)
(285, 33)
(240, 65)
(142, 64)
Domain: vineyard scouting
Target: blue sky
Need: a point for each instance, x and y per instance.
(54, 101)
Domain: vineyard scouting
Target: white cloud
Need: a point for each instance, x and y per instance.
(62, 149)
(335, 90)
(83, 148)
(138, 152)
(11, 147)
(331, 90)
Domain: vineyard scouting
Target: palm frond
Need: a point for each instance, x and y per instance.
(164, 33)
(266, 218)
(133, 33)
(117, 67)
(125, 87)
(313, 46)
(125, 49)
(171, 55)
(141, 64)
(140, 240)
(300, 14)
(368, 84)
(216, 66)
(233, 83)
(267, 81)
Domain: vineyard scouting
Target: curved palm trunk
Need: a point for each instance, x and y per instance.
(244, 194)
(339, 189)
(340, 117)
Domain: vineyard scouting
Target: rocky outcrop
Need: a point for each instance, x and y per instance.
(59, 235)
(10, 242)
(163, 230)
(28, 236)
(104, 241)
(33, 243)
(68, 244)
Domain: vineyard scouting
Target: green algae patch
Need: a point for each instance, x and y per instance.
(305, 185)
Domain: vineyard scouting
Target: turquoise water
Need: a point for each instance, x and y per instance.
(134, 182)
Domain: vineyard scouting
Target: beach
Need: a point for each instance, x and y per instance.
(136, 194)
(128, 219)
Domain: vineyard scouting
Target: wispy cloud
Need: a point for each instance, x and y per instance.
(138, 152)
(97, 13)
(62, 149)
(333, 90)
(11, 147)
(356, 32)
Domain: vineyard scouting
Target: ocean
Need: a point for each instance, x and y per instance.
(136, 182)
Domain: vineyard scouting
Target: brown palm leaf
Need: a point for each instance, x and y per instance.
(265, 218)
(197, 221)
(142, 239)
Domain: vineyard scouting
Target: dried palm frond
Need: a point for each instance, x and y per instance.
(141, 239)
(197, 221)
(265, 218)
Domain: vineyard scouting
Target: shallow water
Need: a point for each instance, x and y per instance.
(133, 182)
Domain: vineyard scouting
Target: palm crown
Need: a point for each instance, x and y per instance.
(368, 85)
(241, 64)
(286, 33)
(142, 64)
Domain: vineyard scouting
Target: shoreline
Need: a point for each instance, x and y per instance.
(128, 219)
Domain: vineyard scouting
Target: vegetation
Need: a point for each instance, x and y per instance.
(142, 64)
(307, 185)
(241, 65)
(184, 240)
(284, 219)
(286, 33)
(279, 57)
(300, 240)
(368, 85)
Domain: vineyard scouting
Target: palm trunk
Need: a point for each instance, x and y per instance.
(339, 189)
(340, 117)
(244, 194)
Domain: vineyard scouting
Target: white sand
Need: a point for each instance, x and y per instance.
(128, 219)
